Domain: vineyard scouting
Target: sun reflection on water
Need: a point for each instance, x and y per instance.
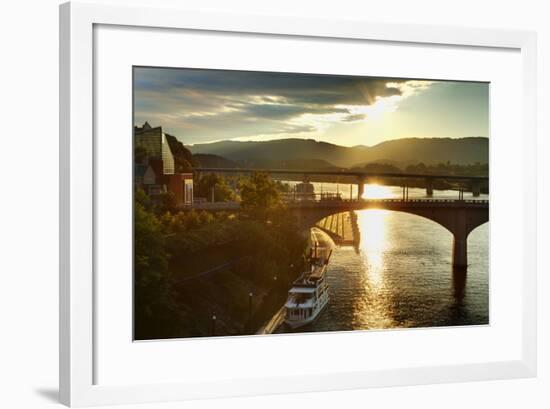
(373, 247)
(373, 243)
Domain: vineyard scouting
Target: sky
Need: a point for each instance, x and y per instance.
(201, 106)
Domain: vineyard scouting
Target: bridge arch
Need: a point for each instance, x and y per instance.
(478, 226)
(459, 220)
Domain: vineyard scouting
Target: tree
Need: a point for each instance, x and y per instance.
(260, 196)
(222, 192)
(165, 202)
(183, 159)
(154, 309)
(141, 198)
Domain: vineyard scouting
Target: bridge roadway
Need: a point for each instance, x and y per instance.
(356, 173)
(347, 205)
(359, 176)
(459, 217)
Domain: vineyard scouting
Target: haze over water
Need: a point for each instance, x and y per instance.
(401, 274)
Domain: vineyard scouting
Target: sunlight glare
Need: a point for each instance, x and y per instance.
(374, 191)
(373, 243)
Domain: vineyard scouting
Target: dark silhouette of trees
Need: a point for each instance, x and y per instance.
(171, 248)
(260, 196)
(154, 309)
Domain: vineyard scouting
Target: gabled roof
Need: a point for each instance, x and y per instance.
(146, 128)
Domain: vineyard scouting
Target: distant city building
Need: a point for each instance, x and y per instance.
(153, 142)
(155, 171)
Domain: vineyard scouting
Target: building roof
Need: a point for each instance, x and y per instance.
(146, 128)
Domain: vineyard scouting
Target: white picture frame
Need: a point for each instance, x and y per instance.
(78, 386)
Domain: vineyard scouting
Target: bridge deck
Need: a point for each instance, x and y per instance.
(357, 173)
(356, 204)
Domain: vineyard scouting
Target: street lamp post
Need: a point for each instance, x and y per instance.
(213, 324)
(250, 295)
(274, 291)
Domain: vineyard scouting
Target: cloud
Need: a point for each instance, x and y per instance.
(354, 117)
(201, 105)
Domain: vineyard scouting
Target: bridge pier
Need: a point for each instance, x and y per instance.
(360, 187)
(460, 239)
(429, 187)
(476, 188)
(459, 282)
(460, 250)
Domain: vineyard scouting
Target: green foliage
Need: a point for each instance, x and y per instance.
(153, 301)
(222, 191)
(183, 159)
(381, 168)
(260, 196)
(165, 202)
(182, 222)
(282, 187)
(448, 168)
(142, 199)
(174, 247)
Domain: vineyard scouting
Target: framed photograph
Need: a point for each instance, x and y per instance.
(255, 204)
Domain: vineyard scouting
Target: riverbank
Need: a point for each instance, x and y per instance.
(199, 274)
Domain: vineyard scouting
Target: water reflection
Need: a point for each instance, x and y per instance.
(373, 243)
(459, 282)
(375, 309)
(402, 275)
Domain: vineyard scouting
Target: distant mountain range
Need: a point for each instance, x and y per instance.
(208, 160)
(308, 153)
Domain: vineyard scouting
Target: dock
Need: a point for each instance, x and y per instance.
(275, 322)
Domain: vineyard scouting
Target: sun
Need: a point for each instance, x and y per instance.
(378, 107)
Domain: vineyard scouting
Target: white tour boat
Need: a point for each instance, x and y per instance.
(309, 293)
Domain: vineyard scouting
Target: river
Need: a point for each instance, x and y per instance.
(400, 275)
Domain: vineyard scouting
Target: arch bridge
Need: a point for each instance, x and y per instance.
(459, 217)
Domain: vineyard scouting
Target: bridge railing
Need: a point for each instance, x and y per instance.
(346, 203)
(336, 197)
